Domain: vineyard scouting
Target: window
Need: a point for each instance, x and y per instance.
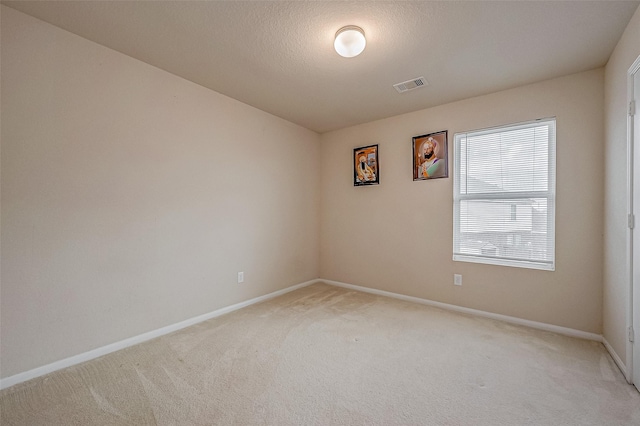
(504, 195)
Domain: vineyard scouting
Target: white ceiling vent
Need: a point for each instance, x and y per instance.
(415, 83)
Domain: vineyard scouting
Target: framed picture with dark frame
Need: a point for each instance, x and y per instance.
(366, 168)
(430, 156)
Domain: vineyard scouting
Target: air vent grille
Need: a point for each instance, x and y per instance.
(412, 84)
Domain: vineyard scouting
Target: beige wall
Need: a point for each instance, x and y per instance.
(398, 236)
(616, 285)
(131, 197)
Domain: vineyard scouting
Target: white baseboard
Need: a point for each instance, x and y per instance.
(513, 320)
(615, 357)
(104, 350)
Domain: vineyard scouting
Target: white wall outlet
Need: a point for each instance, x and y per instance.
(457, 279)
(240, 277)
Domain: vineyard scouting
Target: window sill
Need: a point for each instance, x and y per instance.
(505, 262)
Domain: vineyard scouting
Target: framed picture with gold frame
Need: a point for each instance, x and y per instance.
(430, 156)
(366, 168)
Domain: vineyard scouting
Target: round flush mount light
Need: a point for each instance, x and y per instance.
(350, 41)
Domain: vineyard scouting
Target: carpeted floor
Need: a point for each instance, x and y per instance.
(323, 355)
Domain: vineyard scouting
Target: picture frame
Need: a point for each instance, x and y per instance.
(430, 156)
(366, 167)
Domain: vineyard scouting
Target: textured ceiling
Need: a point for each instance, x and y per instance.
(278, 56)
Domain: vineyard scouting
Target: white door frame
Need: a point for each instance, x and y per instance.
(630, 210)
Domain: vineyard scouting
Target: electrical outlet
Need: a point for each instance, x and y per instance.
(457, 279)
(240, 277)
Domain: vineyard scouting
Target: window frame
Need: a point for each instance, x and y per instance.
(549, 194)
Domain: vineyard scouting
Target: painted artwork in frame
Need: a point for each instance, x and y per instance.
(366, 169)
(430, 156)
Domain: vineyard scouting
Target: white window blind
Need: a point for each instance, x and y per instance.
(504, 195)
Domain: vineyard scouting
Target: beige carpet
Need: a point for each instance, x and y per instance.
(323, 355)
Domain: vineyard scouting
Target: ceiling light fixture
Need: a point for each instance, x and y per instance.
(350, 41)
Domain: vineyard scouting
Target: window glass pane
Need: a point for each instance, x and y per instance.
(505, 161)
(487, 228)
